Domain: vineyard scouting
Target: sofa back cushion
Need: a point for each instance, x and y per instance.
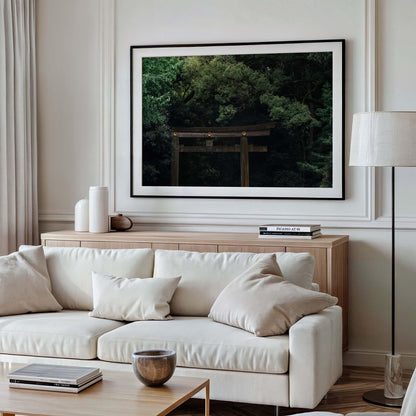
(205, 275)
(70, 270)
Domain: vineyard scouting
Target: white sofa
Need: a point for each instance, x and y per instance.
(293, 370)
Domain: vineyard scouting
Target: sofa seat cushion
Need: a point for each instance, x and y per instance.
(67, 334)
(199, 342)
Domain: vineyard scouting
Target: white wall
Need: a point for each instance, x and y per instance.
(70, 43)
(68, 103)
(187, 21)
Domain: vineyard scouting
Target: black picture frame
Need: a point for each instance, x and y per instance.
(174, 189)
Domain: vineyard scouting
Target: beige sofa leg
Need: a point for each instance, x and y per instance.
(277, 411)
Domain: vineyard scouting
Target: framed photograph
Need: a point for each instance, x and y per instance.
(246, 120)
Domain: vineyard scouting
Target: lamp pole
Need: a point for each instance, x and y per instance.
(393, 265)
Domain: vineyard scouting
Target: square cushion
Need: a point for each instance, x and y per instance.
(132, 299)
(67, 334)
(70, 270)
(204, 275)
(23, 287)
(262, 302)
(35, 256)
(199, 342)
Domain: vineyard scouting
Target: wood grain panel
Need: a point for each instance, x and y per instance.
(62, 243)
(114, 244)
(193, 237)
(165, 246)
(249, 249)
(338, 284)
(210, 248)
(321, 273)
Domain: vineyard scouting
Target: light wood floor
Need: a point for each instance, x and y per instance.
(344, 397)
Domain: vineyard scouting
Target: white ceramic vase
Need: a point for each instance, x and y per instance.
(98, 217)
(82, 215)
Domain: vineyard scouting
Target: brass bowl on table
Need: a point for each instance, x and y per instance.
(154, 367)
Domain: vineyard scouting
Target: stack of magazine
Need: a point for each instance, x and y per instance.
(54, 377)
(290, 231)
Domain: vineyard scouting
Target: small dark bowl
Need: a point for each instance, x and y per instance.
(154, 367)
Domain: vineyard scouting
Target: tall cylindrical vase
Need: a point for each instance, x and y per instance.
(98, 209)
(393, 385)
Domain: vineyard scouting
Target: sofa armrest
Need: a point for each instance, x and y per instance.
(315, 356)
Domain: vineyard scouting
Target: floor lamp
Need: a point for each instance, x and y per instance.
(386, 138)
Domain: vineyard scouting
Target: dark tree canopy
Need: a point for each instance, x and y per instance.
(293, 90)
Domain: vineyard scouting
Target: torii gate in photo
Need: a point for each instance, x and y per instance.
(210, 134)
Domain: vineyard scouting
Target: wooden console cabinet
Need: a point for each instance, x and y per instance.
(330, 251)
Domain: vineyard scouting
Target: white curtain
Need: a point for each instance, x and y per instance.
(18, 150)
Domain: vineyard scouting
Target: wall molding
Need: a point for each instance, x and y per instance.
(370, 96)
(369, 217)
(375, 359)
(56, 217)
(106, 104)
(370, 60)
(367, 210)
(230, 222)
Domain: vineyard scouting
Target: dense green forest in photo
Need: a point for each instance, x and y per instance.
(293, 90)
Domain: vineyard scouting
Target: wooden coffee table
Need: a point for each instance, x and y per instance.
(120, 393)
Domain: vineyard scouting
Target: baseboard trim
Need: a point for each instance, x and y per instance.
(375, 359)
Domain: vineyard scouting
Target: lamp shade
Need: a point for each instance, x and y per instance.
(383, 138)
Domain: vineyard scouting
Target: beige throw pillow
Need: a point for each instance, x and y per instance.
(125, 299)
(264, 303)
(204, 276)
(35, 256)
(22, 287)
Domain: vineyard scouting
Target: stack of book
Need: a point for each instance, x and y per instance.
(54, 377)
(290, 231)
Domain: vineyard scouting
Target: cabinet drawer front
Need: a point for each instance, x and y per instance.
(62, 243)
(114, 244)
(249, 249)
(212, 248)
(165, 246)
(321, 272)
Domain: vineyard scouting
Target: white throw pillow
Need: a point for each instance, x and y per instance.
(205, 275)
(22, 288)
(261, 302)
(70, 270)
(124, 299)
